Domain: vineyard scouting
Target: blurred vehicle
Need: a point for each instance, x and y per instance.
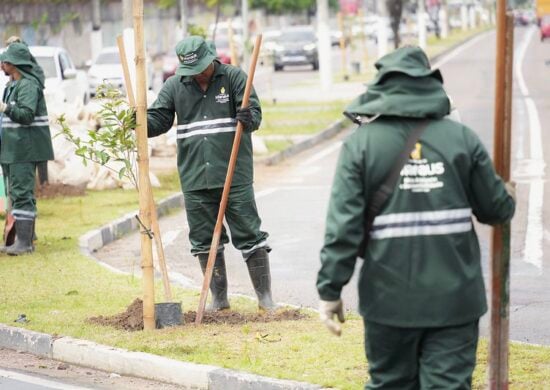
(222, 29)
(521, 18)
(545, 27)
(223, 49)
(297, 45)
(107, 69)
(65, 85)
(269, 43)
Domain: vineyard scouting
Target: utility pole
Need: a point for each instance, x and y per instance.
(421, 24)
(96, 41)
(323, 45)
(183, 18)
(383, 24)
(246, 37)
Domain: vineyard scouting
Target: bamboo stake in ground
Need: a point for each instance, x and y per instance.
(227, 186)
(143, 166)
(500, 245)
(154, 216)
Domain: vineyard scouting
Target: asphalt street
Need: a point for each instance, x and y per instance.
(292, 196)
(23, 371)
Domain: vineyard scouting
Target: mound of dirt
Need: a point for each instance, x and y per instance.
(49, 190)
(132, 318)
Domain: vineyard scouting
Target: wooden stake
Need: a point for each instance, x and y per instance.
(143, 164)
(227, 186)
(500, 245)
(154, 216)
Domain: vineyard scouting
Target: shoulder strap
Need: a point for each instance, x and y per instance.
(380, 197)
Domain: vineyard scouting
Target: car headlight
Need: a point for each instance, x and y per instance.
(310, 47)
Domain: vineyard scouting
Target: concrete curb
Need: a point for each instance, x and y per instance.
(139, 364)
(98, 238)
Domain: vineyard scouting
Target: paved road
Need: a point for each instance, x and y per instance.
(23, 371)
(292, 197)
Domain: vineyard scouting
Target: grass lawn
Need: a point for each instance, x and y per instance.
(299, 118)
(58, 289)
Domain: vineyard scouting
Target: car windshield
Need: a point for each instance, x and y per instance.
(48, 65)
(297, 36)
(108, 58)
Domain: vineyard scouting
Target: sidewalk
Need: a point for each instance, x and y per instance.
(150, 366)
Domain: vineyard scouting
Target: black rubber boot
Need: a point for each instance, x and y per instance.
(23, 238)
(258, 269)
(218, 284)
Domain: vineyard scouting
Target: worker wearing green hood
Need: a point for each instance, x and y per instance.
(421, 289)
(25, 139)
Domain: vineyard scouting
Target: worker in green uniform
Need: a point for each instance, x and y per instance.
(206, 98)
(421, 289)
(25, 139)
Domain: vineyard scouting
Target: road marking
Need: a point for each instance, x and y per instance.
(267, 191)
(457, 51)
(38, 381)
(322, 154)
(534, 234)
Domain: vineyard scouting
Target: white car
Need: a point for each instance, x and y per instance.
(65, 85)
(107, 69)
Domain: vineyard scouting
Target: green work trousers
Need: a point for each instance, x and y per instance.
(420, 358)
(241, 216)
(20, 182)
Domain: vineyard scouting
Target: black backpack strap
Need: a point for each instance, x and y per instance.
(380, 197)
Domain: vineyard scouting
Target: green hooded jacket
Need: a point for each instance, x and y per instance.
(206, 126)
(25, 127)
(422, 264)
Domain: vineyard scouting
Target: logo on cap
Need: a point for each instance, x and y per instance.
(189, 58)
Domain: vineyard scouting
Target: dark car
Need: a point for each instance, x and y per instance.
(296, 46)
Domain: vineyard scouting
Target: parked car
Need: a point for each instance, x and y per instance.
(223, 49)
(65, 85)
(107, 69)
(269, 43)
(544, 27)
(297, 45)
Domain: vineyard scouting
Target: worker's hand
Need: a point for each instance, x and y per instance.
(511, 188)
(327, 311)
(3, 106)
(244, 115)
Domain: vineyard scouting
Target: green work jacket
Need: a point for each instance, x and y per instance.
(206, 126)
(422, 264)
(25, 128)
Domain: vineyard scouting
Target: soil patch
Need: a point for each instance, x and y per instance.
(132, 318)
(54, 190)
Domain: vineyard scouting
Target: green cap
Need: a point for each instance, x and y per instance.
(17, 54)
(194, 55)
(410, 60)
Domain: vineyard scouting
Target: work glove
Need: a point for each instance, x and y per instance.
(511, 189)
(244, 115)
(3, 106)
(327, 311)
